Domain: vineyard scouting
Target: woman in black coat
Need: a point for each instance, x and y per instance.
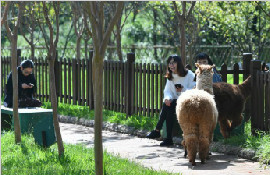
(26, 83)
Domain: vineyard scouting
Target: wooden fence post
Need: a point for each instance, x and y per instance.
(223, 72)
(255, 65)
(19, 54)
(247, 57)
(74, 88)
(129, 82)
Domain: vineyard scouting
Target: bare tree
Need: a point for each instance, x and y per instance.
(87, 33)
(29, 23)
(129, 7)
(13, 38)
(78, 25)
(51, 45)
(101, 37)
(183, 18)
(68, 38)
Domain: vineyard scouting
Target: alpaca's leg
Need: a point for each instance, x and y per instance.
(211, 135)
(236, 121)
(225, 126)
(204, 133)
(191, 144)
(191, 140)
(203, 148)
(185, 147)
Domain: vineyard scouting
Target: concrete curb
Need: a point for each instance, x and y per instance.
(214, 147)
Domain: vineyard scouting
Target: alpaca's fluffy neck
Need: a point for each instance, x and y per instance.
(205, 83)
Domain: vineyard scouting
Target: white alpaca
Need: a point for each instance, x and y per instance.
(197, 114)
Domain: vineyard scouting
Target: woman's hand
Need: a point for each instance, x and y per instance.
(25, 86)
(167, 102)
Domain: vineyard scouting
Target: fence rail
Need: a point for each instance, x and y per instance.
(133, 88)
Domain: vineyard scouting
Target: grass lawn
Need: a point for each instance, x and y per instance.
(31, 159)
(260, 143)
(247, 140)
(139, 122)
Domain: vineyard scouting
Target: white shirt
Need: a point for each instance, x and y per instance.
(187, 82)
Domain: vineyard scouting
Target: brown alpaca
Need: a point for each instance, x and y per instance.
(230, 100)
(197, 115)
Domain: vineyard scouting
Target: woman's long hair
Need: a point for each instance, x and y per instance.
(181, 70)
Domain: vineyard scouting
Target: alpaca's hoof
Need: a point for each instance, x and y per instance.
(193, 163)
(203, 161)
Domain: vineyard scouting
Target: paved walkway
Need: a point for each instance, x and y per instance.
(148, 153)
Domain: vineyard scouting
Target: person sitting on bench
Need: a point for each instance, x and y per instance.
(179, 79)
(26, 87)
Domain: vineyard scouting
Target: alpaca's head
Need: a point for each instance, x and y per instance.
(204, 80)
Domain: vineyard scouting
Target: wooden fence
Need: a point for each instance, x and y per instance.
(129, 87)
(260, 98)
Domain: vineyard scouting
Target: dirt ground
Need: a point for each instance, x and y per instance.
(149, 154)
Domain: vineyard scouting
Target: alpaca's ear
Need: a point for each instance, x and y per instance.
(211, 67)
(197, 65)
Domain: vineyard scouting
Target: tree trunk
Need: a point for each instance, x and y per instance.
(54, 106)
(155, 33)
(78, 47)
(86, 48)
(98, 91)
(118, 39)
(32, 45)
(14, 59)
(183, 42)
(32, 51)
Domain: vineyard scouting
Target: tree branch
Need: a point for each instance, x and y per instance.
(92, 21)
(106, 37)
(20, 13)
(177, 12)
(126, 17)
(258, 3)
(74, 17)
(4, 20)
(43, 32)
(184, 3)
(86, 25)
(190, 9)
(45, 11)
(101, 16)
(56, 6)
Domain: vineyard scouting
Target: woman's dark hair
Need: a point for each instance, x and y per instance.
(202, 56)
(181, 70)
(27, 64)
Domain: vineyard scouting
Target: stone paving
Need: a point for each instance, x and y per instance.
(148, 153)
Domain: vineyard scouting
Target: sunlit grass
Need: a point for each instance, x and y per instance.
(28, 158)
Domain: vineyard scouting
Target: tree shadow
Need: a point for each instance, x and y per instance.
(216, 162)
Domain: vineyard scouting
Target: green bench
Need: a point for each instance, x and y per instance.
(37, 121)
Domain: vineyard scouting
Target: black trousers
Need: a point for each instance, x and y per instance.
(167, 113)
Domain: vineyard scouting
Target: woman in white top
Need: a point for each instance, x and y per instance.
(179, 79)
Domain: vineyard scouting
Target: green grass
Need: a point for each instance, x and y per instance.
(139, 122)
(260, 143)
(247, 140)
(29, 159)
